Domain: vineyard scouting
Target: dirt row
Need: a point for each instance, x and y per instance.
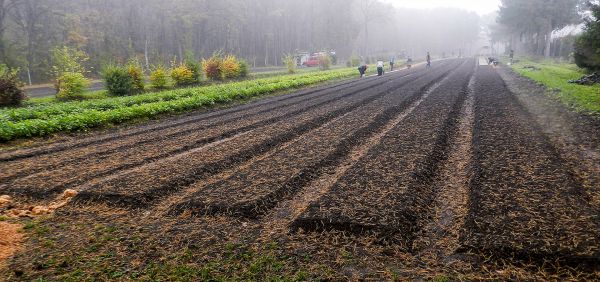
(140, 186)
(524, 200)
(48, 181)
(260, 186)
(388, 193)
(193, 130)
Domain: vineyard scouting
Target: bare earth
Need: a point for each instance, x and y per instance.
(446, 173)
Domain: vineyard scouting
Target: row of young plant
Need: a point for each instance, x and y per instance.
(44, 120)
(49, 110)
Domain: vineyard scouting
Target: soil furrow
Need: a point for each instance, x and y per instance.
(438, 240)
(387, 191)
(147, 183)
(524, 200)
(54, 148)
(30, 166)
(280, 218)
(253, 192)
(69, 176)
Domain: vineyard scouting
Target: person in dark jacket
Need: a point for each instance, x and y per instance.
(362, 70)
(428, 60)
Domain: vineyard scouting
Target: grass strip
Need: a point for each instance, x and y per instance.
(555, 77)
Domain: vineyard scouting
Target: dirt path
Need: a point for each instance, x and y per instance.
(438, 173)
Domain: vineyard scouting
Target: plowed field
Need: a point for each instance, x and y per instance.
(420, 174)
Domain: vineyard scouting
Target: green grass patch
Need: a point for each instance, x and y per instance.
(555, 76)
(52, 117)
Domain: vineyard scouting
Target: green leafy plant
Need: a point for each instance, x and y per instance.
(71, 86)
(158, 78)
(290, 63)
(118, 80)
(50, 118)
(10, 92)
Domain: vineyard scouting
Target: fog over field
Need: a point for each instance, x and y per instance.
(260, 31)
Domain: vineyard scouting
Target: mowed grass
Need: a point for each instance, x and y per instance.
(50, 117)
(555, 76)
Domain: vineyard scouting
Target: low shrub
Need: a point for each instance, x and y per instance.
(244, 68)
(230, 67)
(137, 76)
(290, 63)
(196, 69)
(118, 81)
(159, 79)
(10, 92)
(212, 67)
(71, 86)
(354, 61)
(325, 62)
(182, 75)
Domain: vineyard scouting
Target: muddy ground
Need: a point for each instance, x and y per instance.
(456, 172)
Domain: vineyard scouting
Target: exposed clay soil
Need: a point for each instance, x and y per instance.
(447, 173)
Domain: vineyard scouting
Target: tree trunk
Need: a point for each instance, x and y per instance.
(366, 37)
(547, 49)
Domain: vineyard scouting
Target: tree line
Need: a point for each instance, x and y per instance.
(260, 31)
(529, 26)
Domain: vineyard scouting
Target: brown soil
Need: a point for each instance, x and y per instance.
(11, 239)
(423, 174)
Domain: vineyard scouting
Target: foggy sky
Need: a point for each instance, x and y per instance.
(481, 7)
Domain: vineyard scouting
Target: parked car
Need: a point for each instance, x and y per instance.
(313, 61)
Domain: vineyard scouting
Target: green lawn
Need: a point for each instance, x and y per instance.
(555, 76)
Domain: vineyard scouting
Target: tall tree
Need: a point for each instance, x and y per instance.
(538, 19)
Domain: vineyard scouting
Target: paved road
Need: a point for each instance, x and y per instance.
(45, 91)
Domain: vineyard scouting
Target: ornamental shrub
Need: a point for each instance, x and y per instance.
(244, 69)
(182, 75)
(324, 62)
(212, 67)
(10, 92)
(71, 86)
(230, 67)
(158, 78)
(354, 61)
(137, 76)
(118, 81)
(290, 63)
(196, 69)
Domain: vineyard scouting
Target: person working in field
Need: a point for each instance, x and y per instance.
(380, 66)
(362, 70)
(428, 60)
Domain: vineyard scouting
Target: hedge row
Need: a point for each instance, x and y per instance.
(46, 119)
